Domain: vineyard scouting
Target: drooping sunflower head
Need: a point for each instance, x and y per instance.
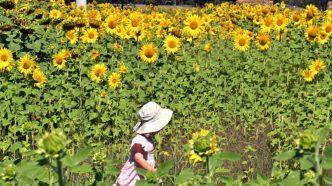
(97, 72)
(39, 77)
(26, 64)
(172, 44)
(149, 53)
(263, 41)
(114, 80)
(6, 59)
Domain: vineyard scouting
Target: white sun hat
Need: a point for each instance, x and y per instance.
(152, 118)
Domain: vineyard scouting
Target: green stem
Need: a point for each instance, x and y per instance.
(59, 171)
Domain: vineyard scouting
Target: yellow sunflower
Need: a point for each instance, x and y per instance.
(26, 64)
(317, 66)
(242, 42)
(197, 67)
(280, 22)
(111, 23)
(123, 69)
(172, 44)
(323, 38)
(193, 25)
(39, 77)
(327, 28)
(263, 41)
(55, 14)
(203, 144)
(308, 75)
(194, 157)
(134, 23)
(59, 60)
(310, 12)
(296, 17)
(114, 80)
(90, 35)
(6, 59)
(207, 48)
(94, 54)
(72, 36)
(312, 33)
(97, 72)
(117, 47)
(149, 53)
(267, 24)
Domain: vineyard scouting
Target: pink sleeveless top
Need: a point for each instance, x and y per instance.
(128, 175)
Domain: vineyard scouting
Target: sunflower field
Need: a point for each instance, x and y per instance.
(250, 87)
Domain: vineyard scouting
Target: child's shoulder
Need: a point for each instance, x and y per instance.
(139, 139)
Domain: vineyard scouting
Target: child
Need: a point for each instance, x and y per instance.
(152, 118)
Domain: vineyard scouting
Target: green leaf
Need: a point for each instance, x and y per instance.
(328, 152)
(112, 170)
(164, 168)
(14, 47)
(141, 171)
(292, 179)
(327, 164)
(215, 161)
(184, 176)
(285, 155)
(105, 117)
(93, 115)
(327, 180)
(323, 133)
(230, 156)
(261, 178)
(77, 158)
(15, 146)
(84, 168)
(305, 163)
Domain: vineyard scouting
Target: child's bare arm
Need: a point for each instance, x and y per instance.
(143, 163)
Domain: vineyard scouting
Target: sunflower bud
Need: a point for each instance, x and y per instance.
(52, 144)
(310, 174)
(202, 144)
(8, 173)
(99, 158)
(308, 140)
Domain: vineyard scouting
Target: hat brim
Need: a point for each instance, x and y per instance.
(157, 124)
